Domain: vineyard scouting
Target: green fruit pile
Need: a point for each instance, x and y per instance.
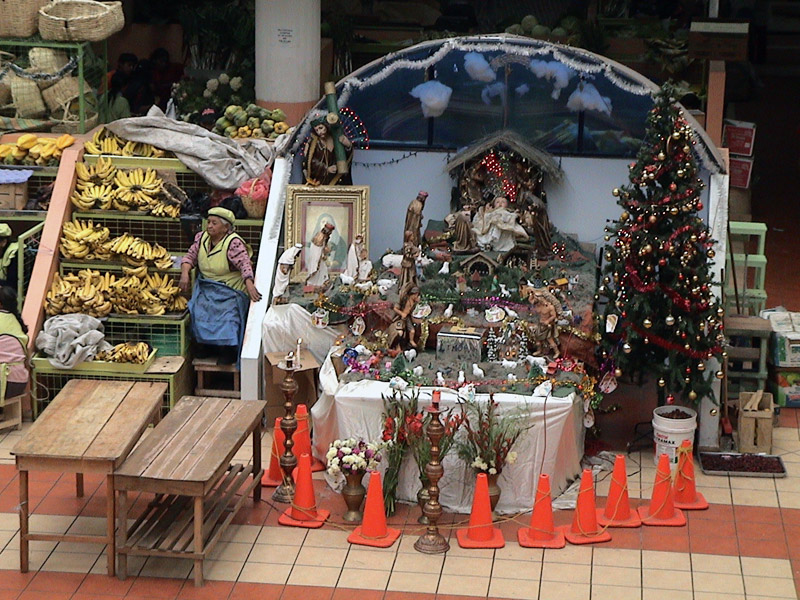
(251, 122)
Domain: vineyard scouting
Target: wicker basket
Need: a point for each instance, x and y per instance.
(68, 116)
(19, 18)
(27, 98)
(80, 20)
(72, 123)
(255, 209)
(65, 90)
(5, 81)
(48, 61)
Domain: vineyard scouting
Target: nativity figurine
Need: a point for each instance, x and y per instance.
(283, 273)
(317, 258)
(319, 164)
(460, 225)
(414, 217)
(496, 227)
(354, 257)
(408, 264)
(401, 331)
(546, 332)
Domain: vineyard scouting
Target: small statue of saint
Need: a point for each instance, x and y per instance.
(401, 331)
(319, 163)
(414, 217)
(282, 275)
(408, 264)
(317, 258)
(496, 227)
(546, 332)
(460, 224)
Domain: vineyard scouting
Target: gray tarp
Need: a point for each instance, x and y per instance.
(224, 163)
(70, 339)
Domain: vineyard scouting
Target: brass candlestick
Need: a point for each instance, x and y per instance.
(288, 461)
(433, 542)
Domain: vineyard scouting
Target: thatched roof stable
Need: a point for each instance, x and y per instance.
(510, 140)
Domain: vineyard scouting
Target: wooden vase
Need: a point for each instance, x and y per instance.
(494, 489)
(353, 494)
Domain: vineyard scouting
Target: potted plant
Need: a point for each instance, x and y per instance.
(396, 407)
(489, 436)
(353, 458)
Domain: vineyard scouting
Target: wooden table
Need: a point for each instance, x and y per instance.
(186, 463)
(89, 427)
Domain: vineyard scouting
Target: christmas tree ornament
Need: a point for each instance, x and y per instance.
(701, 366)
(719, 374)
(617, 373)
(661, 382)
(662, 156)
(615, 192)
(647, 323)
(626, 348)
(670, 399)
(669, 320)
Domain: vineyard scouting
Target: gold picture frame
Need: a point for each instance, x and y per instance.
(308, 208)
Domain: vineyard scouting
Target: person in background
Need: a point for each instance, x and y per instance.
(14, 363)
(8, 258)
(126, 65)
(165, 74)
(118, 105)
(139, 91)
(223, 288)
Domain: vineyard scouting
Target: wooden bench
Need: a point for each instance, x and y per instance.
(186, 463)
(90, 427)
(204, 367)
(12, 412)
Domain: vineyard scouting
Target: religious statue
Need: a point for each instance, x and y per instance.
(414, 217)
(285, 266)
(496, 227)
(535, 220)
(401, 330)
(317, 256)
(364, 266)
(546, 332)
(408, 264)
(460, 224)
(354, 257)
(319, 163)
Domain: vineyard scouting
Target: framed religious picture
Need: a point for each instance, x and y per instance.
(310, 209)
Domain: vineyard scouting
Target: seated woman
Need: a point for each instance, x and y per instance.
(13, 347)
(223, 287)
(8, 258)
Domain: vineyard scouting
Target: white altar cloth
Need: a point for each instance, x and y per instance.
(554, 444)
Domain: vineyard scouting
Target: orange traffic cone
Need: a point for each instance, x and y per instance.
(274, 477)
(542, 532)
(480, 533)
(584, 528)
(686, 495)
(302, 437)
(618, 511)
(373, 530)
(662, 511)
(304, 512)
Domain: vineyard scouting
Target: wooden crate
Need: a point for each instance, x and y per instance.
(13, 196)
(755, 423)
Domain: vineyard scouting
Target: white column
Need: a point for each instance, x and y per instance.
(288, 55)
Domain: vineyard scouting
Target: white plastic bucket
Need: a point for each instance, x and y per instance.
(668, 434)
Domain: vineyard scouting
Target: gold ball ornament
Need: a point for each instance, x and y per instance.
(701, 366)
(647, 323)
(617, 373)
(669, 320)
(653, 218)
(686, 149)
(626, 348)
(692, 395)
(719, 374)
(711, 253)
(661, 382)
(615, 192)
(661, 156)
(674, 211)
(676, 135)
(624, 216)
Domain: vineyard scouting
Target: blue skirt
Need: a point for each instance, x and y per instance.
(219, 313)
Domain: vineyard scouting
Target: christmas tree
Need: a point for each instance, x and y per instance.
(660, 316)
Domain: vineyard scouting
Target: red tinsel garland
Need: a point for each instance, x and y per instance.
(646, 288)
(667, 345)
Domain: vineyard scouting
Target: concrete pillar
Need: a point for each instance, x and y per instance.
(288, 55)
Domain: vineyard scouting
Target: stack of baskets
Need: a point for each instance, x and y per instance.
(19, 18)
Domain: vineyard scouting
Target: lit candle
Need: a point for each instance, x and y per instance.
(435, 400)
(297, 354)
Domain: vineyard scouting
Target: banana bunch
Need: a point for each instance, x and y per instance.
(138, 188)
(105, 142)
(137, 252)
(84, 240)
(165, 209)
(32, 150)
(94, 196)
(87, 292)
(129, 352)
(101, 173)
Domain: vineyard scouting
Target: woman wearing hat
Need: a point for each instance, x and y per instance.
(224, 286)
(319, 166)
(14, 361)
(8, 255)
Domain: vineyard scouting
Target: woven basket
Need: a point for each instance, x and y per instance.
(19, 18)
(72, 123)
(80, 20)
(46, 60)
(5, 85)
(64, 90)
(172, 194)
(27, 98)
(255, 210)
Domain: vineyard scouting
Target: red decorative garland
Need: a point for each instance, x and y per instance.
(667, 345)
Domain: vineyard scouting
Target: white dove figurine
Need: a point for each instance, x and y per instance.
(477, 371)
(509, 364)
(346, 279)
(504, 292)
(410, 354)
(445, 269)
(439, 379)
(448, 312)
(511, 377)
(417, 370)
(511, 313)
(461, 378)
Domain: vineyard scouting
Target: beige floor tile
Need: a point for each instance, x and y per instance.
(314, 575)
(49, 523)
(466, 585)
(366, 559)
(766, 484)
(575, 555)
(220, 570)
(717, 596)
(5, 537)
(559, 590)
(71, 563)
(703, 481)
(766, 567)
(236, 551)
(616, 576)
(615, 592)
(285, 536)
(463, 565)
(265, 573)
(401, 582)
(654, 594)
(517, 569)
(788, 484)
(785, 433)
(751, 597)
(790, 455)
(754, 498)
(674, 561)
(327, 538)
(418, 563)
(718, 583)
(617, 557)
(514, 551)
(268, 553)
(243, 534)
(770, 586)
(9, 521)
(135, 566)
(666, 579)
(407, 544)
(9, 559)
(721, 495)
(513, 588)
(41, 546)
(456, 550)
(714, 563)
(316, 556)
(566, 572)
(80, 548)
(364, 579)
(88, 526)
(173, 568)
(789, 499)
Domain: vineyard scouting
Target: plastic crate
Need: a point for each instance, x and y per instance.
(173, 370)
(26, 255)
(170, 335)
(156, 230)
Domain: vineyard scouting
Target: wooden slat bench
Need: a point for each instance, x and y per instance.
(186, 463)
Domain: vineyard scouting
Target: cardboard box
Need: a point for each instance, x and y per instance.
(784, 342)
(13, 196)
(741, 171)
(784, 383)
(459, 344)
(739, 137)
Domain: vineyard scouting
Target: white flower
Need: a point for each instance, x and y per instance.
(346, 450)
(207, 93)
(337, 444)
(492, 471)
(398, 383)
(236, 84)
(511, 458)
(331, 454)
(212, 84)
(224, 79)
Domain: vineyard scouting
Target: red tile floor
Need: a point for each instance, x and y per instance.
(746, 545)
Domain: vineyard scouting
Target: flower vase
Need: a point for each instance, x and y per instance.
(494, 489)
(422, 498)
(353, 494)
